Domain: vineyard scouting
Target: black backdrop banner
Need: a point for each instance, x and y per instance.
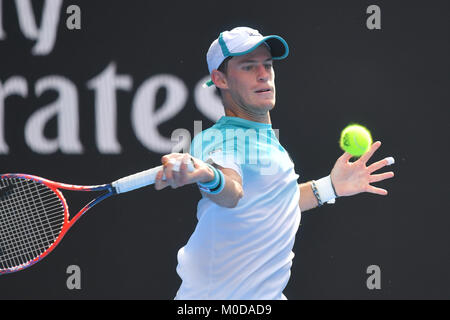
(94, 90)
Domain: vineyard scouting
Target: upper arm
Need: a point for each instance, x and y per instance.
(215, 152)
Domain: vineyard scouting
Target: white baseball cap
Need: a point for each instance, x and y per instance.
(240, 41)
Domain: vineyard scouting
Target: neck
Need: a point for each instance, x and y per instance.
(263, 118)
(232, 110)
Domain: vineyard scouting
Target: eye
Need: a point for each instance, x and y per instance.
(247, 67)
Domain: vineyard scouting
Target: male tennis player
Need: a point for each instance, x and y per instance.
(251, 202)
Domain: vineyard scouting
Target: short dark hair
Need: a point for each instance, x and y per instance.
(223, 68)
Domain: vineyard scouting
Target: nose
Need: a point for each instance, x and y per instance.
(263, 73)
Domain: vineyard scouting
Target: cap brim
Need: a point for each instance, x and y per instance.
(278, 47)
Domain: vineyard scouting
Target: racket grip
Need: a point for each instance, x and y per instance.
(143, 178)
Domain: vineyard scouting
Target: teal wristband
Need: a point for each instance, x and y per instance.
(220, 185)
(214, 186)
(214, 182)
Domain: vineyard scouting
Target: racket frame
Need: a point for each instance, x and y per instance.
(67, 223)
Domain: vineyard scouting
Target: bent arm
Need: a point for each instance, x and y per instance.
(228, 197)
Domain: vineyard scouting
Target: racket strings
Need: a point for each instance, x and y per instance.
(22, 227)
(18, 238)
(31, 218)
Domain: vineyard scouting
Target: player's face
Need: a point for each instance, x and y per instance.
(250, 80)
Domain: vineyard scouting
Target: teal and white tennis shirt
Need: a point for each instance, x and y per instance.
(243, 252)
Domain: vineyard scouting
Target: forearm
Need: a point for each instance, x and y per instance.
(307, 198)
(232, 191)
(229, 196)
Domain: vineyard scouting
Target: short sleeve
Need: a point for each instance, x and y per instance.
(210, 147)
(224, 160)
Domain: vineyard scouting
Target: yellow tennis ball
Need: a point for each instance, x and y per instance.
(356, 140)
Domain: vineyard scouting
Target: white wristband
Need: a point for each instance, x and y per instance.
(325, 189)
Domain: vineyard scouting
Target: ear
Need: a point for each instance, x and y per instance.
(219, 79)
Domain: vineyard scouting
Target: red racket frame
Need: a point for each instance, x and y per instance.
(67, 224)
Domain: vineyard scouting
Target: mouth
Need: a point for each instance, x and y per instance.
(264, 90)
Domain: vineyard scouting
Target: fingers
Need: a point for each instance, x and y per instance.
(345, 157)
(381, 177)
(159, 183)
(164, 159)
(172, 173)
(185, 160)
(380, 164)
(366, 156)
(165, 177)
(175, 171)
(376, 190)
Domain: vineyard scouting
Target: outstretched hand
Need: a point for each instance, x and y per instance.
(178, 175)
(350, 178)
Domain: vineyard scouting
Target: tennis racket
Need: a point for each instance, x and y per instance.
(34, 216)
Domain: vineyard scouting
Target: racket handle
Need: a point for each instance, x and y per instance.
(144, 178)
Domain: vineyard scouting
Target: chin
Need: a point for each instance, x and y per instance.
(269, 106)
